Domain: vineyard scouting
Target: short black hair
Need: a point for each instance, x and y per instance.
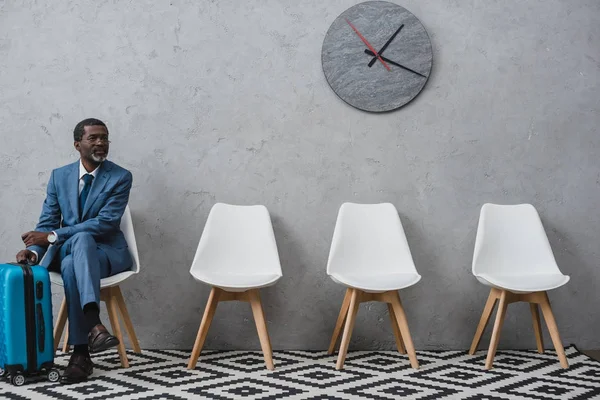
(80, 127)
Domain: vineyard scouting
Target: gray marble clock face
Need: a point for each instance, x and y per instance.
(362, 80)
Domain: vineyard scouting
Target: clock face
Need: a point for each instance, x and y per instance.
(376, 56)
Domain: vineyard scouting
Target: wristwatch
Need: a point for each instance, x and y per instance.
(52, 238)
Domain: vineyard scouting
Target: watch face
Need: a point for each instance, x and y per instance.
(52, 238)
(376, 56)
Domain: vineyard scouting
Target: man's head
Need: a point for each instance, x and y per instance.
(91, 140)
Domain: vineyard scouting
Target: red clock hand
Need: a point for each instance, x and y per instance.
(368, 44)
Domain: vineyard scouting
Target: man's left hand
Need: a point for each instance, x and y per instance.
(35, 238)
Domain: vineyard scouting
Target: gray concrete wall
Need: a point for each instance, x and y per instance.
(226, 101)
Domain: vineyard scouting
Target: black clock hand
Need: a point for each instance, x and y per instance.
(369, 52)
(386, 45)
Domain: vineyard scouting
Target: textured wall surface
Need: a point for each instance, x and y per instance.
(226, 101)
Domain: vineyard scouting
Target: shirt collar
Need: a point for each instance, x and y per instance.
(83, 171)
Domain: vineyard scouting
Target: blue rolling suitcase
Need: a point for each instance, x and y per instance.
(26, 342)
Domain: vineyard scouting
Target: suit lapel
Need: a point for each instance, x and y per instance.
(97, 185)
(73, 189)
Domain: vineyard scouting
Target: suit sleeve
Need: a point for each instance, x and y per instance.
(109, 217)
(50, 217)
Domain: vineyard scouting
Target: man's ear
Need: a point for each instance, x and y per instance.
(77, 146)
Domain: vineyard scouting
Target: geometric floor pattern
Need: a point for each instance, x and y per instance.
(378, 375)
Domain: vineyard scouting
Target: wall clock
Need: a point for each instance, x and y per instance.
(376, 56)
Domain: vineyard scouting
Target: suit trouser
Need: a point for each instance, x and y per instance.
(82, 265)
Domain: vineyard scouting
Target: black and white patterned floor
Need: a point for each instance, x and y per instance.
(380, 375)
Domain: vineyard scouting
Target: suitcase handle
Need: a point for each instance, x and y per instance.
(41, 328)
(21, 264)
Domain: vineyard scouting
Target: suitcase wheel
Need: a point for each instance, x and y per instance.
(53, 375)
(18, 380)
(2, 373)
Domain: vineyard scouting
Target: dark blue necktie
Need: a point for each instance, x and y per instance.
(87, 180)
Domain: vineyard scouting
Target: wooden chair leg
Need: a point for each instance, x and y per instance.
(485, 318)
(537, 327)
(66, 348)
(396, 329)
(350, 319)
(261, 327)
(61, 320)
(553, 329)
(500, 314)
(209, 312)
(340, 322)
(403, 325)
(113, 315)
(127, 320)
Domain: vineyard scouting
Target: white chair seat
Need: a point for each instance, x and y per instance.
(377, 283)
(524, 283)
(236, 282)
(104, 283)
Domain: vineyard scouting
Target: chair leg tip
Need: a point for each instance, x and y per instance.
(191, 365)
(270, 364)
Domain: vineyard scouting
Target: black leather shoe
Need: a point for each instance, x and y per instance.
(99, 339)
(79, 368)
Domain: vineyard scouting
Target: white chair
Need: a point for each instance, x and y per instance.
(513, 256)
(237, 255)
(370, 256)
(111, 294)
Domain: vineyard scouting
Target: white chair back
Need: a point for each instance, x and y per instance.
(511, 241)
(238, 240)
(369, 239)
(128, 231)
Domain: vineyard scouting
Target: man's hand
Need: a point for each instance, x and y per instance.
(26, 256)
(35, 238)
